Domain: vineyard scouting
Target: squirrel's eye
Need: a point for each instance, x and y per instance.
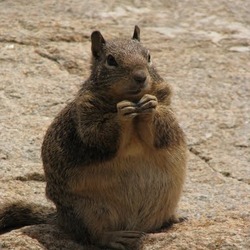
(111, 61)
(149, 58)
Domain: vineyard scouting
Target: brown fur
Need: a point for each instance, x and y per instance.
(115, 157)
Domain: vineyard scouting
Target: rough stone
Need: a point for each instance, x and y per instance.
(200, 47)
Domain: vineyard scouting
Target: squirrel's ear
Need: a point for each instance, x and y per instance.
(97, 41)
(136, 35)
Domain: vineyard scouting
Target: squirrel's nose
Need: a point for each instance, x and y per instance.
(140, 76)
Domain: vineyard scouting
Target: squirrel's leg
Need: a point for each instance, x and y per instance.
(173, 220)
(105, 232)
(122, 240)
(90, 222)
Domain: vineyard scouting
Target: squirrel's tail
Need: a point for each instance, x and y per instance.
(19, 214)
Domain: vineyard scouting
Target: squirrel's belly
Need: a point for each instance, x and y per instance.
(135, 192)
(146, 196)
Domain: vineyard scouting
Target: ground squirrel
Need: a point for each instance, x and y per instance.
(115, 157)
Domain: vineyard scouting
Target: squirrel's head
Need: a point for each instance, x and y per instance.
(123, 67)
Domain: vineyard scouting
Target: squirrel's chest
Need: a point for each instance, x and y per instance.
(133, 147)
(130, 144)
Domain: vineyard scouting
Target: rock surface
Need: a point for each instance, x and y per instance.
(201, 47)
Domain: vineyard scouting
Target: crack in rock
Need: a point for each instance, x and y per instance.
(27, 42)
(31, 177)
(206, 159)
(68, 64)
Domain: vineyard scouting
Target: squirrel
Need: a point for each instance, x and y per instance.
(115, 157)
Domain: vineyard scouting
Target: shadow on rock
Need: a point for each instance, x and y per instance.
(50, 237)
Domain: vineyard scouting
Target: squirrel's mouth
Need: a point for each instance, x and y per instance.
(135, 91)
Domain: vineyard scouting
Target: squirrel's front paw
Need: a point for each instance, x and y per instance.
(126, 110)
(147, 104)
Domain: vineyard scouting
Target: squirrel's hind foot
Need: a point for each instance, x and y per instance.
(122, 240)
